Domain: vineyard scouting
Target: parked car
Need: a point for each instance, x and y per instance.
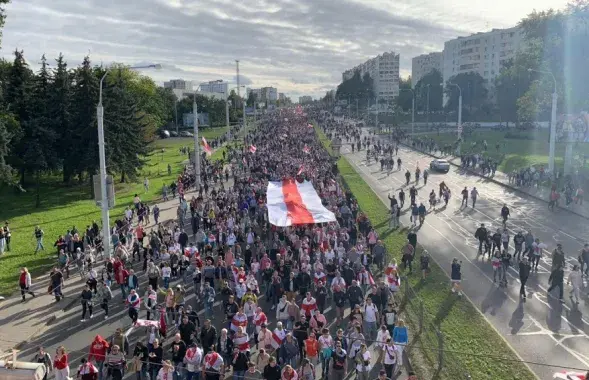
(164, 134)
(440, 165)
(186, 134)
(173, 134)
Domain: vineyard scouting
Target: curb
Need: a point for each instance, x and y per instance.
(497, 182)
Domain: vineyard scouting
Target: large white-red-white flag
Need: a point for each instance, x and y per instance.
(146, 323)
(277, 338)
(306, 149)
(566, 375)
(253, 148)
(206, 146)
(292, 203)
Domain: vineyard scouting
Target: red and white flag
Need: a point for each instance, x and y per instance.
(301, 170)
(277, 338)
(253, 148)
(365, 278)
(566, 375)
(309, 125)
(244, 161)
(206, 146)
(242, 342)
(293, 203)
(306, 149)
(213, 361)
(146, 323)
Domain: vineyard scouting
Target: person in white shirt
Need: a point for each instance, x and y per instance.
(390, 358)
(166, 274)
(363, 365)
(382, 338)
(370, 318)
(576, 280)
(193, 359)
(537, 248)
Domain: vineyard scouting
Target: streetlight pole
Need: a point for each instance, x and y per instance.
(427, 114)
(196, 142)
(227, 114)
(102, 161)
(552, 122)
(459, 115)
(412, 108)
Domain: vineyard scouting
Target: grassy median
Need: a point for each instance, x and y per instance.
(471, 344)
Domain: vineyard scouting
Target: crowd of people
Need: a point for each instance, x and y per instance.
(268, 293)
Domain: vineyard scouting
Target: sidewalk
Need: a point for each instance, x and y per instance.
(542, 193)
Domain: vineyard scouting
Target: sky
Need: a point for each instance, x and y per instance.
(299, 46)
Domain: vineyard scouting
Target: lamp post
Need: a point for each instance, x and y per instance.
(427, 105)
(102, 160)
(459, 115)
(552, 121)
(412, 108)
(196, 142)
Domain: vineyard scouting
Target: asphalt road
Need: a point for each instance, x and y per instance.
(541, 330)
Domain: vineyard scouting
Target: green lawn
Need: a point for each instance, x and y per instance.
(530, 149)
(464, 329)
(65, 206)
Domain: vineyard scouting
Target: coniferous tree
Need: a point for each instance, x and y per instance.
(125, 130)
(68, 144)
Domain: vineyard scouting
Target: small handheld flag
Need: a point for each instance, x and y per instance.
(253, 149)
(206, 146)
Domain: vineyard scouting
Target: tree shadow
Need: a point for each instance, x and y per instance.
(445, 309)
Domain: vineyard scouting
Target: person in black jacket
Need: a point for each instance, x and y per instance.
(187, 330)
(518, 240)
(141, 356)
(208, 336)
(239, 362)
(524, 273)
(303, 282)
(355, 295)
(178, 350)
(557, 279)
(481, 234)
(155, 359)
(225, 347)
(321, 295)
(272, 371)
(183, 240)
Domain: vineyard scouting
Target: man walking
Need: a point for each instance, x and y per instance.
(524, 272)
(556, 279)
(575, 279)
(39, 237)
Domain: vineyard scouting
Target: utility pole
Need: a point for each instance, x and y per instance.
(196, 142)
(427, 114)
(227, 114)
(356, 108)
(376, 119)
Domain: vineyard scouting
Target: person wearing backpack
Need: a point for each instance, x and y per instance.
(44, 358)
(103, 295)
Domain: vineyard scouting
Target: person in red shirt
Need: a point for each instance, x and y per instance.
(25, 282)
(61, 365)
(98, 350)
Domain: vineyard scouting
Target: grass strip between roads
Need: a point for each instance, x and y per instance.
(471, 344)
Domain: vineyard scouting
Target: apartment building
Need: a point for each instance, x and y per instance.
(424, 64)
(264, 94)
(178, 84)
(215, 86)
(305, 99)
(484, 53)
(384, 71)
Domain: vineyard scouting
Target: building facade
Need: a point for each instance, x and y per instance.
(484, 53)
(214, 87)
(179, 84)
(384, 71)
(264, 94)
(305, 99)
(424, 64)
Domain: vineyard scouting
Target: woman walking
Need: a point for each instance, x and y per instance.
(61, 364)
(25, 283)
(104, 295)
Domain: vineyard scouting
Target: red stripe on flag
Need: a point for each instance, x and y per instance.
(297, 211)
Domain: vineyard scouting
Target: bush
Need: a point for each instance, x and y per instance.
(518, 136)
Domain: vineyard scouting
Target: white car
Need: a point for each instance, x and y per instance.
(440, 165)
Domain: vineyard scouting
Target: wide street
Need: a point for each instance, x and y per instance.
(541, 330)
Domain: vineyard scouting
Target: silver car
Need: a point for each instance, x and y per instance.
(440, 165)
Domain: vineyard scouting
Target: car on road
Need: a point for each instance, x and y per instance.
(164, 134)
(440, 165)
(186, 134)
(173, 133)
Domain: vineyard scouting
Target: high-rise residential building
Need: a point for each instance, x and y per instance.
(384, 71)
(484, 53)
(424, 64)
(264, 94)
(215, 86)
(305, 99)
(178, 84)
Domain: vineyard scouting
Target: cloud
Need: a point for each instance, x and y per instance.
(243, 80)
(299, 46)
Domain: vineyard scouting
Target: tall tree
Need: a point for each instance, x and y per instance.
(17, 100)
(39, 151)
(67, 146)
(83, 118)
(473, 89)
(125, 128)
(434, 81)
(404, 100)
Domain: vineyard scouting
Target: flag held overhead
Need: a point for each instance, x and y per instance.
(293, 203)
